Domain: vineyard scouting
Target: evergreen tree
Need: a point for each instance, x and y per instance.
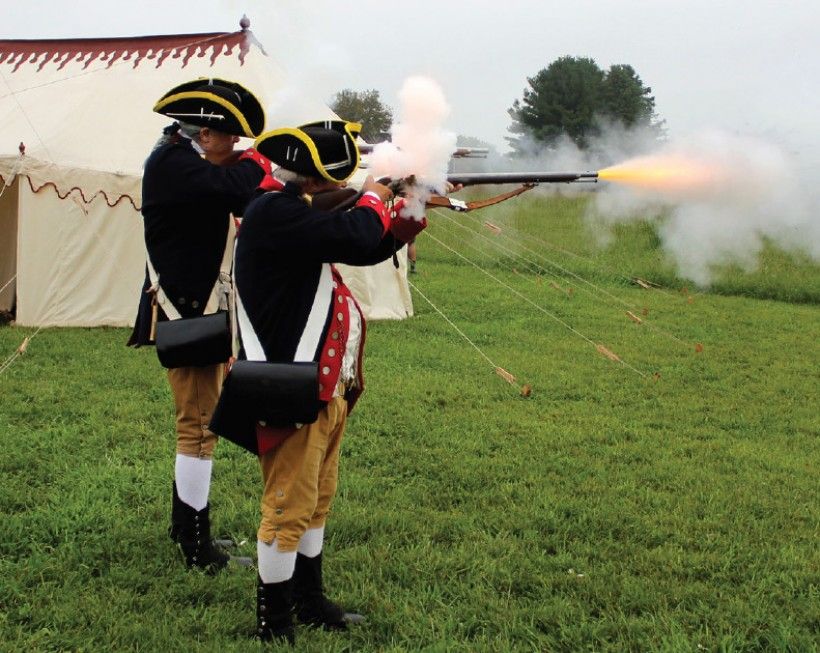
(364, 107)
(562, 100)
(624, 98)
(572, 97)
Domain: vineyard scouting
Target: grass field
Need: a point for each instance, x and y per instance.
(669, 504)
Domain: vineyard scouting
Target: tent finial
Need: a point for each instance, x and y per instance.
(244, 22)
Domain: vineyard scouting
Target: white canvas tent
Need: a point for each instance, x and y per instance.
(71, 248)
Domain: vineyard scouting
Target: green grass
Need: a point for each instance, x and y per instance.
(609, 511)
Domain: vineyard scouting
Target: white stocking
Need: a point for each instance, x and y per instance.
(311, 543)
(274, 565)
(193, 477)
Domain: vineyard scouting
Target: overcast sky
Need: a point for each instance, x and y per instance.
(748, 66)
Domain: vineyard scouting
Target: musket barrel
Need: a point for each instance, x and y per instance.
(471, 153)
(458, 153)
(478, 178)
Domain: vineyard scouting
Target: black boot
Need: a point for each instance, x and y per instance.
(274, 611)
(176, 516)
(313, 608)
(191, 529)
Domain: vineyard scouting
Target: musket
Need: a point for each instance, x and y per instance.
(479, 178)
(458, 153)
(344, 198)
(528, 181)
(471, 153)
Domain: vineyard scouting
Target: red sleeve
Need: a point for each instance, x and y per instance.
(372, 202)
(258, 159)
(270, 183)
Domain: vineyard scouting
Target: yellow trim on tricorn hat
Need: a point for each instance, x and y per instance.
(325, 149)
(216, 103)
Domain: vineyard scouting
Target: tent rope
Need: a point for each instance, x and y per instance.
(28, 120)
(532, 303)
(8, 283)
(613, 299)
(500, 371)
(540, 241)
(18, 352)
(14, 170)
(451, 323)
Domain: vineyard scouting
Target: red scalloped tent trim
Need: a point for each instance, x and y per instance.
(63, 196)
(159, 48)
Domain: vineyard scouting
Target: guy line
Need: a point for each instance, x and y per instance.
(538, 267)
(529, 301)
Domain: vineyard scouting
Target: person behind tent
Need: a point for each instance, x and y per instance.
(411, 256)
(192, 184)
(293, 305)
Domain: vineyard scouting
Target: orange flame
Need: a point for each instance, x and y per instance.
(667, 174)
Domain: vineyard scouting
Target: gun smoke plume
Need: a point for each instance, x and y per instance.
(721, 197)
(717, 198)
(420, 145)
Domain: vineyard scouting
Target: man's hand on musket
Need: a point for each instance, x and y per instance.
(372, 186)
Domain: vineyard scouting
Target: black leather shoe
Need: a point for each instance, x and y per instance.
(191, 529)
(274, 611)
(313, 608)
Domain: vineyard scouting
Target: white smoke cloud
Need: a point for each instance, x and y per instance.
(614, 144)
(420, 145)
(716, 197)
(731, 194)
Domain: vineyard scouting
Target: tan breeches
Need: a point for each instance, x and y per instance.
(196, 391)
(300, 478)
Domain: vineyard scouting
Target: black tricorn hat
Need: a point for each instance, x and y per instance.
(216, 103)
(325, 149)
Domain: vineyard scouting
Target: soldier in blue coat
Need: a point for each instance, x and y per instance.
(194, 182)
(293, 306)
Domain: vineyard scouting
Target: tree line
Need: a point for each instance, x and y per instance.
(572, 98)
